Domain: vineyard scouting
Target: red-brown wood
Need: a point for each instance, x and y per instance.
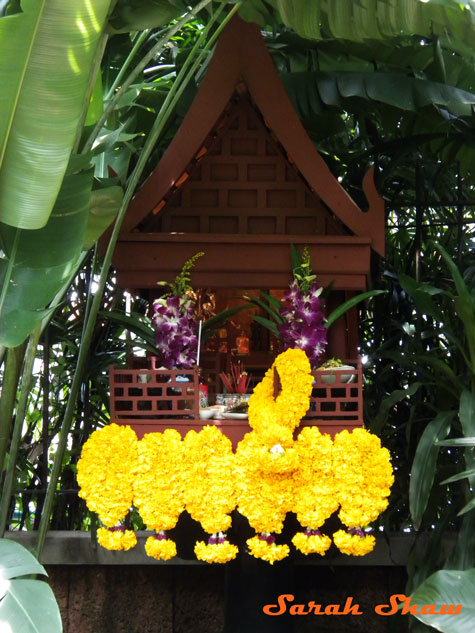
(333, 407)
(241, 58)
(255, 261)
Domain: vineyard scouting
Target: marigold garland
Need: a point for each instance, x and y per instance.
(219, 552)
(309, 543)
(275, 419)
(105, 472)
(354, 544)
(264, 498)
(363, 476)
(116, 538)
(269, 476)
(263, 547)
(210, 494)
(160, 547)
(314, 484)
(159, 480)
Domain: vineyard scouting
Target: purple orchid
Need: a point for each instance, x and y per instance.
(176, 332)
(303, 327)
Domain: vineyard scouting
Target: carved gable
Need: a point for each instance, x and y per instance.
(242, 182)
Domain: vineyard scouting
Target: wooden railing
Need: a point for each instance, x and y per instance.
(154, 399)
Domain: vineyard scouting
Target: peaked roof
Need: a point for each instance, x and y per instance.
(241, 56)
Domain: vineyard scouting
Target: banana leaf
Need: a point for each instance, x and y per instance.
(26, 604)
(448, 588)
(381, 20)
(308, 90)
(137, 15)
(104, 206)
(44, 259)
(45, 57)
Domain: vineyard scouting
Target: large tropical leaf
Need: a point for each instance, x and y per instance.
(448, 588)
(105, 204)
(136, 15)
(464, 304)
(310, 90)
(42, 261)
(362, 20)
(26, 605)
(424, 464)
(45, 57)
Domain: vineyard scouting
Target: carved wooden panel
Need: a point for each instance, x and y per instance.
(242, 183)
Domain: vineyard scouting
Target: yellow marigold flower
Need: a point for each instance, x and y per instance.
(312, 543)
(354, 544)
(269, 552)
(216, 552)
(160, 548)
(116, 539)
(314, 484)
(264, 498)
(210, 494)
(105, 472)
(159, 479)
(363, 476)
(275, 419)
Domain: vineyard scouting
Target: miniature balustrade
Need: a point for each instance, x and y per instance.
(151, 400)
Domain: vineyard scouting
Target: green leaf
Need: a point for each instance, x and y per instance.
(469, 506)
(464, 303)
(44, 260)
(421, 295)
(272, 300)
(220, 319)
(424, 464)
(270, 325)
(466, 473)
(388, 404)
(344, 307)
(449, 588)
(105, 204)
(295, 256)
(26, 605)
(15, 561)
(52, 44)
(460, 441)
(137, 323)
(137, 15)
(268, 308)
(467, 420)
(381, 19)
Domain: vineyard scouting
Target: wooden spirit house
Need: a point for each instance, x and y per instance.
(241, 181)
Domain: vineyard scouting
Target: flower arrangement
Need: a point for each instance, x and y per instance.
(275, 419)
(314, 483)
(363, 480)
(210, 490)
(105, 476)
(176, 327)
(269, 475)
(303, 326)
(159, 488)
(298, 321)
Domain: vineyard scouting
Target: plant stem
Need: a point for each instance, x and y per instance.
(136, 72)
(11, 376)
(8, 272)
(26, 380)
(91, 82)
(89, 328)
(139, 40)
